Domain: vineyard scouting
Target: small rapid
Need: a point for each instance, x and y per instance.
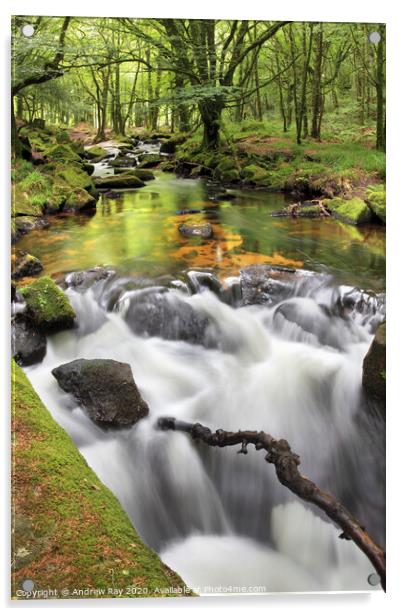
(286, 360)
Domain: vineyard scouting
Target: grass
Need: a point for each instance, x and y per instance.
(70, 532)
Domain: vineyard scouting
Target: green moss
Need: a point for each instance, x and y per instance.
(62, 152)
(80, 200)
(47, 305)
(24, 204)
(353, 211)
(255, 173)
(96, 151)
(74, 176)
(375, 199)
(72, 530)
(20, 169)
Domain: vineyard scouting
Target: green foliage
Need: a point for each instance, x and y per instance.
(21, 168)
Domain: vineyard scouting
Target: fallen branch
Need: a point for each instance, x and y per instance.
(286, 464)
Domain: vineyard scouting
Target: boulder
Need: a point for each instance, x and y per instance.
(20, 225)
(266, 284)
(157, 312)
(86, 278)
(143, 174)
(204, 231)
(374, 365)
(148, 161)
(62, 152)
(28, 344)
(122, 161)
(96, 151)
(351, 211)
(79, 200)
(25, 265)
(105, 388)
(119, 181)
(47, 306)
(375, 199)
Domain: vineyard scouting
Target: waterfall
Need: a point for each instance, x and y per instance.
(291, 368)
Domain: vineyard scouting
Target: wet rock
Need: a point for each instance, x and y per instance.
(26, 265)
(20, 225)
(47, 306)
(148, 161)
(87, 278)
(157, 312)
(79, 200)
(204, 231)
(122, 161)
(88, 168)
(266, 284)
(374, 366)
(119, 181)
(105, 388)
(28, 344)
(96, 152)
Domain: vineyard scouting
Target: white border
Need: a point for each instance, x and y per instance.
(295, 10)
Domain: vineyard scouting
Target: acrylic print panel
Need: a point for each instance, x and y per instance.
(198, 273)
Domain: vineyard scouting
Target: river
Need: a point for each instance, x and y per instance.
(221, 520)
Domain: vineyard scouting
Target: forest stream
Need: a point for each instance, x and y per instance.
(174, 309)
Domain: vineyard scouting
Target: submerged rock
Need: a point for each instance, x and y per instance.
(374, 366)
(105, 388)
(26, 265)
(28, 344)
(47, 306)
(205, 231)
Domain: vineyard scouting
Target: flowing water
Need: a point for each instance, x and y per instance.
(290, 366)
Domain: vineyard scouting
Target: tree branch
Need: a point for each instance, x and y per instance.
(286, 464)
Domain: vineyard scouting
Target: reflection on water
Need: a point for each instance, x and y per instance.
(137, 233)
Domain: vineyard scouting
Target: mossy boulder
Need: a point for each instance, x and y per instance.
(149, 161)
(375, 199)
(79, 200)
(74, 176)
(96, 151)
(374, 366)
(352, 211)
(119, 181)
(62, 152)
(144, 174)
(24, 204)
(47, 305)
(255, 175)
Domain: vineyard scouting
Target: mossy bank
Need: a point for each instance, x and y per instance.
(69, 533)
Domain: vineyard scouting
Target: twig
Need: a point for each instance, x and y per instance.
(286, 464)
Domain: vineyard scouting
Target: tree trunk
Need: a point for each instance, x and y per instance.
(211, 111)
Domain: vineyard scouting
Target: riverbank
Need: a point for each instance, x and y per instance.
(69, 531)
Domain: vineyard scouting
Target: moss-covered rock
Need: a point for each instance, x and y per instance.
(48, 306)
(62, 152)
(80, 200)
(375, 199)
(119, 181)
(352, 211)
(74, 176)
(374, 367)
(96, 151)
(70, 528)
(255, 174)
(144, 174)
(24, 204)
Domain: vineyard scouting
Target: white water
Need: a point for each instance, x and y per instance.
(221, 519)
